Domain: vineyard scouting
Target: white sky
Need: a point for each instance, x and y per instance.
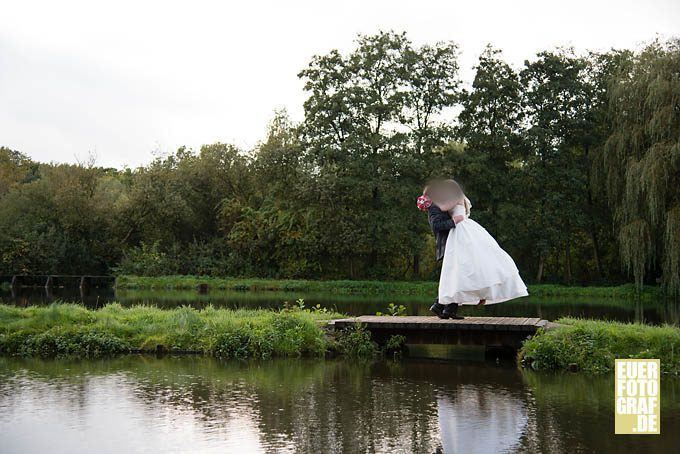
(127, 79)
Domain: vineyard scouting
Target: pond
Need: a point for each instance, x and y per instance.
(548, 308)
(193, 403)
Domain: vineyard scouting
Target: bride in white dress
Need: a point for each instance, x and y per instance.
(475, 270)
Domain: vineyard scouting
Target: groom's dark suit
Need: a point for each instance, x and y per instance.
(441, 223)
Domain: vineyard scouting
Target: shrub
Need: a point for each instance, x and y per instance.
(63, 329)
(146, 260)
(63, 341)
(356, 342)
(395, 344)
(232, 344)
(592, 346)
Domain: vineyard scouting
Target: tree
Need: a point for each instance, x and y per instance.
(556, 100)
(570, 162)
(596, 128)
(61, 223)
(275, 232)
(641, 159)
(15, 168)
(370, 129)
(490, 125)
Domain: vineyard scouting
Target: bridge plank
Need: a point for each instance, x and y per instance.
(432, 322)
(505, 323)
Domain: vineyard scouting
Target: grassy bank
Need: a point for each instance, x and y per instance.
(592, 346)
(67, 329)
(72, 330)
(282, 285)
(361, 287)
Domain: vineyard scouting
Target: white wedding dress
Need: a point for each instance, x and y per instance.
(475, 267)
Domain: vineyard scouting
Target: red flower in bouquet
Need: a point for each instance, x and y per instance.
(423, 202)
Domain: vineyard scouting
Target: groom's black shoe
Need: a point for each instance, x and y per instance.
(439, 309)
(451, 311)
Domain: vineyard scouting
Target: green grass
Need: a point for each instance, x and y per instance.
(72, 330)
(69, 329)
(361, 287)
(282, 285)
(625, 291)
(592, 346)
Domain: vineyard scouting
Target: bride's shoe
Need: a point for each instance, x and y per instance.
(481, 303)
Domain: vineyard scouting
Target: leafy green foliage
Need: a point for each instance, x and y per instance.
(63, 342)
(593, 345)
(145, 260)
(395, 344)
(372, 123)
(569, 162)
(394, 310)
(640, 162)
(356, 342)
(71, 330)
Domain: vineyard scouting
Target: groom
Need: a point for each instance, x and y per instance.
(441, 224)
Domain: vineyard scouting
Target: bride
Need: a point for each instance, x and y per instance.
(475, 270)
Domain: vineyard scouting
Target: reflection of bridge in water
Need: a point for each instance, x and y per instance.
(26, 290)
(491, 332)
(58, 280)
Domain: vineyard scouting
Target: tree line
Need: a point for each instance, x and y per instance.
(571, 161)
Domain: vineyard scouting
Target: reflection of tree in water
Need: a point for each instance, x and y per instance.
(315, 406)
(303, 405)
(64, 389)
(340, 406)
(575, 413)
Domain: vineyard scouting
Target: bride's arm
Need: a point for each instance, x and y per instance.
(458, 217)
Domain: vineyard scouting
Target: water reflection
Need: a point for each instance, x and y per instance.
(191, 404)
(481, 419)
(652, 312)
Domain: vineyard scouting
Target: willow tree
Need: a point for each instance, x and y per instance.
(641, 160)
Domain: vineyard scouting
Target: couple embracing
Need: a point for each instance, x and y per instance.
(475, 270)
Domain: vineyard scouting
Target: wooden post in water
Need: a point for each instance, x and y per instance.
(57, 280)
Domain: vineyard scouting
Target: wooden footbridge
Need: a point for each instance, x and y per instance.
(491, 332)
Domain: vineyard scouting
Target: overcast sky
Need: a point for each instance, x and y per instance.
(128, 79)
